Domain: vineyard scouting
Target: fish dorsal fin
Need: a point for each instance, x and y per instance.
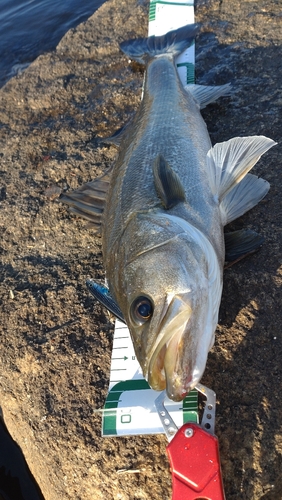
(89, 200)
(240, 243)
(205, 95)
(228, 162)
(167, 183)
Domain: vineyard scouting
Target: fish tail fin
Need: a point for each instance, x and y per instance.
(172, 43)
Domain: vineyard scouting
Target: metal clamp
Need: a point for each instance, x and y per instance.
(193, 453)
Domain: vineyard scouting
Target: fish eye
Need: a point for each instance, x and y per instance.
(141, 310)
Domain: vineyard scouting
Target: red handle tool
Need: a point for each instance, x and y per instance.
(193, 453)
(194, 460)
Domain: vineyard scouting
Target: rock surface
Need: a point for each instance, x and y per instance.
(55, 343)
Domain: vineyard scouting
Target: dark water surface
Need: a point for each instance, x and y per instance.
(29, 28)
(16, 480)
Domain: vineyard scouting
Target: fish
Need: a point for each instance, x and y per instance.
(162, 208)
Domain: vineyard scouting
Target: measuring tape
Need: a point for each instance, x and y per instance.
(167, 16)
(130, 404)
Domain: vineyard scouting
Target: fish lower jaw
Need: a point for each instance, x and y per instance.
(177, 388)
(156, 373)
(164, 373)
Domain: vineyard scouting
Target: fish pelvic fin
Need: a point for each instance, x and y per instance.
(227, 165)
(205, 95)
(89, 200)
(173, 43)
(241, 243)
(168, 185)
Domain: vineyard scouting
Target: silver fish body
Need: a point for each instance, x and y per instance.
(146, 251)
(169, 196)
(168, 123)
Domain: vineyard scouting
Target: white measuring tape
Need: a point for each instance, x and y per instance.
(130, 404)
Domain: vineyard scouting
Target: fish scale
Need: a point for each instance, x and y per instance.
(178, 140)
(161, 134)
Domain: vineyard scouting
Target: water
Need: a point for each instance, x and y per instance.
(16, 480)
(29, 28)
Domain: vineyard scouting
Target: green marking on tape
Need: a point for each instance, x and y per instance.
(190, 407)
(109, 424)
(190, 404)
(163, 2)
(190, 71)
(109, 419)
(153, 4)
(152, 11)
(130, 385)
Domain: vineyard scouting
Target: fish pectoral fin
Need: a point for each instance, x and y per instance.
(239, 243)
(89, 200)
(205, 95)
(167, 183)
(102, 294)
(244, 196)
(228, 162)
(117, 137)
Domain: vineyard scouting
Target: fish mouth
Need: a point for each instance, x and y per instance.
(165, 370)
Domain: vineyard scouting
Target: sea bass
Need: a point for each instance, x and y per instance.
(163, 207)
